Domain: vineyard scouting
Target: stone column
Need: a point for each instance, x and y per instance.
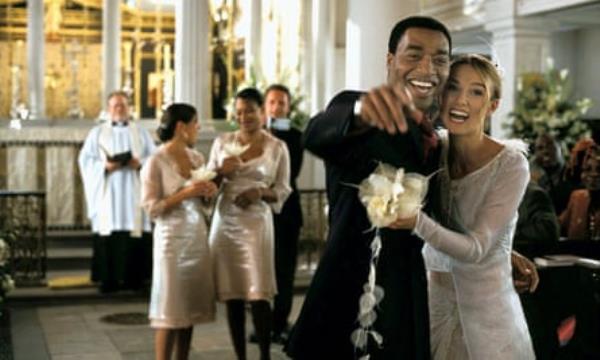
(522, 45)
(367, 31)
(322, 41)
(306, 43)
(192, 55)
(35, 58)
(111, 46)
(253, 42)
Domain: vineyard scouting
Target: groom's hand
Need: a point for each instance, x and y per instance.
(387, 108)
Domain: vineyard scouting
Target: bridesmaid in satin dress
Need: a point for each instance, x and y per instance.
(254, 185)
(182, 282)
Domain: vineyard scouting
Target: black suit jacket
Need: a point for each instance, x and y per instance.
(291, 213)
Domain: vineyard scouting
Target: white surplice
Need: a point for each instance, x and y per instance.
(113, 200)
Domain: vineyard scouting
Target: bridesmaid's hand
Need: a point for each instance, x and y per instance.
(404, 223)
(248, 197)
(230, 165)
(201, 189)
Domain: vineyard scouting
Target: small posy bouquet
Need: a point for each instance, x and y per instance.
(234, 148)
(201, 174)
(389, 194)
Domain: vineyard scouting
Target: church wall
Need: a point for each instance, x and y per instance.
(578, 51)
(587, 77)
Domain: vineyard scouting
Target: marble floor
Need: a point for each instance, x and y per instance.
(76, 332)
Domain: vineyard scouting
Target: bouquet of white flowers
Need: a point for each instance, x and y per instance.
(201, 174)
(387, 194)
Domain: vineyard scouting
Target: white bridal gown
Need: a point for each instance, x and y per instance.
(475, 311)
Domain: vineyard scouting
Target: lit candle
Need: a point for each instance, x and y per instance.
(127, 55)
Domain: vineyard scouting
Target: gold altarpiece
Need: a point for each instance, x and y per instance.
(73, 55)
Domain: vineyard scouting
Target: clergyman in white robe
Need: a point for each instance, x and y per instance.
(113, 203)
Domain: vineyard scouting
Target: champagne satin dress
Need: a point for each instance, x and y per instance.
(242, 240)
(183, 292)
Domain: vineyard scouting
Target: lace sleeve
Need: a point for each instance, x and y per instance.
(500, 205)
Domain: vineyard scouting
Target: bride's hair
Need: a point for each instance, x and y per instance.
(485, 68)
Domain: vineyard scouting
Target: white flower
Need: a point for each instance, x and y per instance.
(234, 148)
(202, 174)
(8, 283)
(564, 73)
(4, 249)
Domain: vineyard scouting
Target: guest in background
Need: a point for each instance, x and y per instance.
(254, 185)
(537, 229)
(575, 165)
(581, 219)
(548, 171)
(109, 162)
(182, 285)
(289, 221)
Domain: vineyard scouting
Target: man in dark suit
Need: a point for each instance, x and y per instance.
(537, 229)
(389, 124)
(288, 222)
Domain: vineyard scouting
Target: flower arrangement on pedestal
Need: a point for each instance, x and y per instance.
(544, 105)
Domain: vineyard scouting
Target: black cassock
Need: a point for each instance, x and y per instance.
(330, 310)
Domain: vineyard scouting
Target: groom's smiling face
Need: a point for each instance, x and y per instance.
(421, 63)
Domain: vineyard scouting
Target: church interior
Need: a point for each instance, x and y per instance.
(62, 60)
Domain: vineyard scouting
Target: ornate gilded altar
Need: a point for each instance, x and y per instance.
(73, 55)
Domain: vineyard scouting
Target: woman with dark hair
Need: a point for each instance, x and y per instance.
(581, 218)
(255, 183)
(182, 282)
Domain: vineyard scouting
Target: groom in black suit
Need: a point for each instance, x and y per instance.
(390, 124)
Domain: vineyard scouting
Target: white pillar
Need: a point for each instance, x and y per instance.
(192, 55)
(522, 45)
(35, 58)
(336, 49)
(321, 40)
(253, 42)
(367, 31)
(111, 45)
(306, 63)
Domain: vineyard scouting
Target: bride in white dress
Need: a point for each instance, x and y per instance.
(475, 311)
